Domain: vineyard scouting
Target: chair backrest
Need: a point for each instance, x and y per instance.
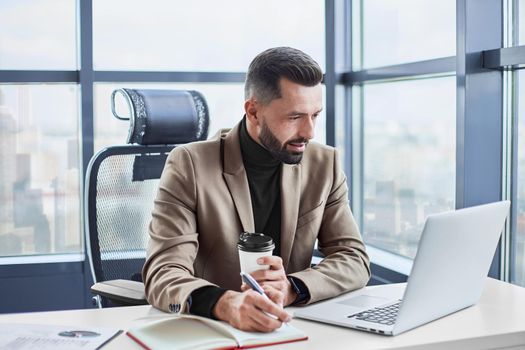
(122, 181)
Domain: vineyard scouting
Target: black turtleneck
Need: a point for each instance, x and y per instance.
(264, 177)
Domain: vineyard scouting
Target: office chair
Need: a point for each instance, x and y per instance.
(122, 182)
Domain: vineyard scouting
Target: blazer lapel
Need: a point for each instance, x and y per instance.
(235, 176)
(290, 196)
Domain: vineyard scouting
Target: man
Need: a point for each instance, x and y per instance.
(261, 176)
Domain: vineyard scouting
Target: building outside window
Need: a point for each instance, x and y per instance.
(407, 143)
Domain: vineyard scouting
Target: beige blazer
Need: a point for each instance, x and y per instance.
(203, 204)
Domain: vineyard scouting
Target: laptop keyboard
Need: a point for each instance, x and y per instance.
(383, 315)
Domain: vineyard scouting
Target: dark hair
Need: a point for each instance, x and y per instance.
(268, 67)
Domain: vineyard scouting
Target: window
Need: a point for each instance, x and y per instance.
(403, 124)
(39, 170)
(409, 159)
(55, 107)
(169, 35)
(395, 111)
(401, 31)
(41, 108)
(38, 34)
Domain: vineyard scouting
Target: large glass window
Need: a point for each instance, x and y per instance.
(39, 170)
(38, 34)
(201, 35)
(40, 191)
(409, 131)
(403, 125)
(400, 31)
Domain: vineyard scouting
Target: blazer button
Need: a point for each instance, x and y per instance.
(176, 308)
(170, 307)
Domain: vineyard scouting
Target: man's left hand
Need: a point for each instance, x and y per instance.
(274, 277)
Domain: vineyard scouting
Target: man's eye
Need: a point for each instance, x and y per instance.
(295, 117)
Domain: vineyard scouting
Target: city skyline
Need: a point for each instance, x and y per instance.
(40, 187)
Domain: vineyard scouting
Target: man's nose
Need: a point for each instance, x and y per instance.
(307, 128)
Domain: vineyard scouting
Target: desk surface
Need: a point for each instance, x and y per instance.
(497, 321)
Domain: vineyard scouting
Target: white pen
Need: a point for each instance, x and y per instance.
(252, 283)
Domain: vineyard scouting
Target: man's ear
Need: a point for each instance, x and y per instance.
(250, 108)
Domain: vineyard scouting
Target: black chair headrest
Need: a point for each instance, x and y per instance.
(164, 116)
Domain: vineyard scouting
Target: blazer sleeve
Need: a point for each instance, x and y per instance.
(168, 272)
(346, 265)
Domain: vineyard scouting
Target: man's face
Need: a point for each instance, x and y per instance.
(286, 124)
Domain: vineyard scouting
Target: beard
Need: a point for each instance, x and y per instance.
(278, 150)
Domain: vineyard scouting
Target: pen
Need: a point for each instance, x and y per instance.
(252, 283)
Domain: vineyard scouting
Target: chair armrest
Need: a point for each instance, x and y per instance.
(123, 291)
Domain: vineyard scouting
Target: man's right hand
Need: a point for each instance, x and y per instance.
(248, 310)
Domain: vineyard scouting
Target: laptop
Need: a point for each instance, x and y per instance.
(448, 274)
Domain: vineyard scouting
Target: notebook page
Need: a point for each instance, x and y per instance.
(181, 333)
(285, 333)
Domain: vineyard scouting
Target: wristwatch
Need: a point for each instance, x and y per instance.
(300, 289)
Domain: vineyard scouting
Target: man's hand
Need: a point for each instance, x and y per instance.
(274, 277)
(248, 311)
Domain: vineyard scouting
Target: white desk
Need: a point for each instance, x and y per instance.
(497, 321)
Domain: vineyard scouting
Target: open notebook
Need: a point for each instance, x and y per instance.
(196, 333)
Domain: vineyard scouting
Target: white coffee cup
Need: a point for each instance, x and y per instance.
(253, 246)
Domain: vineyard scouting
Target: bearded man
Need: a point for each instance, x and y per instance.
(264, 175)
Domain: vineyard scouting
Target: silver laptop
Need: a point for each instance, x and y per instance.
(449, 271)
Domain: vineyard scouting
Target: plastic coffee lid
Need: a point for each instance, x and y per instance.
(255, 242)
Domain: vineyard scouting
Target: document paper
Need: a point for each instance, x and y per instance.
(21, 336)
